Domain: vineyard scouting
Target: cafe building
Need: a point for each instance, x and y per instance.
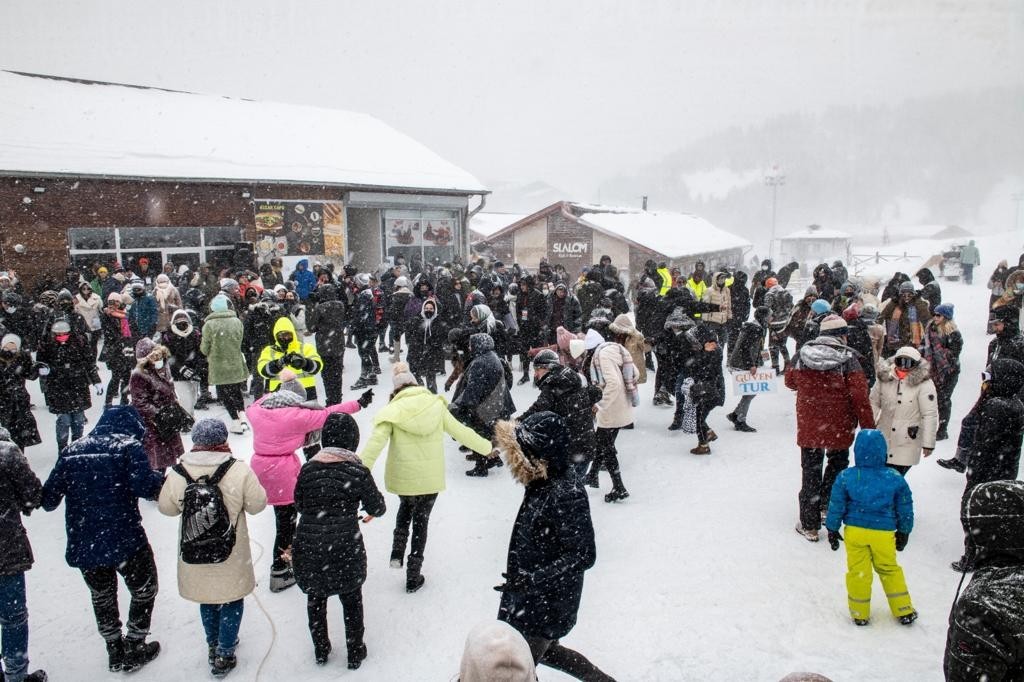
(102, 173)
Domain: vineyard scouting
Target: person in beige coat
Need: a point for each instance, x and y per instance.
(719, 293)
(610, 367)
(218, 588)
(627, 335)
(906, 408)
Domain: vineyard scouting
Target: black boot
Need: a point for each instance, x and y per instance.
(321, 651)
(619, 491)
(494, 462)
(480, 470)
(952, 463)
(356, 652)
(361, 382)
(525, 378)
(137, 653)
(115, 654)
(744, 427)
(222, 665)
(413, 578)
(398, 547)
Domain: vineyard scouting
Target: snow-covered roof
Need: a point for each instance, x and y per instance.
(60, 126)
(819, 233)
(674, 235)
(486, 224)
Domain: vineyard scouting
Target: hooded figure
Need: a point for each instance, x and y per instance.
(496, 652)
(552, 543)
(222, 345)
(876, 505)
(152, 392)
(983, 641)
(305, 280)
(426, 344)
(565, 311)
(482, 396)
(16, 367)
(287, 351)
(905, 408)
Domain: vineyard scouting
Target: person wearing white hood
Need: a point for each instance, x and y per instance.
(496, 652)
(168, 300)
(610, 367)
(187, 363)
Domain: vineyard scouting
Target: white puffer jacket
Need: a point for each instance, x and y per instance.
(906, 411)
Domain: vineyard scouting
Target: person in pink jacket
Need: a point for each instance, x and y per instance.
(282, 422)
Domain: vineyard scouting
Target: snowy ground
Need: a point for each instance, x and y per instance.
(699, 575)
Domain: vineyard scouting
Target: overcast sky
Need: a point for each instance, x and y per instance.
(565, 92)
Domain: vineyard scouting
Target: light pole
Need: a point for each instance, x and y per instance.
(774, 177)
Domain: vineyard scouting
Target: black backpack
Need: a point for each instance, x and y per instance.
(207, 534)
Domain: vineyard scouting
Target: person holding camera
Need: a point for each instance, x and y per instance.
(288, 351)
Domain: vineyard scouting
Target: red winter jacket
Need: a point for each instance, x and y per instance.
(831, 395)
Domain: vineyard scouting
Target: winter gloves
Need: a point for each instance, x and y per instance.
(295, 361)
(515, 583)
(833, 539)
(901, 541)
(365, 399)
(187, 374)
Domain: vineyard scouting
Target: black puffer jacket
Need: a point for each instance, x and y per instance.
(426, 343)
(999, 430)
(984, 640)
(552, 542)
(327, 321)
(328, 553)
(184, 349)
(705, 368)
(20, 493)
(564, 392)
(930, 289)
(740, 295)
(531, 315)
(746, 352)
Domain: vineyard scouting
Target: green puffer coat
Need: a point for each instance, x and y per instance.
(222, 346)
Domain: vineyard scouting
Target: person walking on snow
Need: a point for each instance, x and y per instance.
(413, 425)
(152, 392)
(282, 422)
(552, 543)
(831, 400)
(221, 343)
(703, 366)
(943, 344)
(903, 402)
(219, 588)
(969, 258)
(747, 355)
(100, 478)
(483, 396)
(328, 553)
(611, 369)
(876, 505)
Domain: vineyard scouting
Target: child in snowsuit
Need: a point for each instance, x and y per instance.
(873, 501)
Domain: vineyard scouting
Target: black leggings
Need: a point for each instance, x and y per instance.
(574, 664)
(605, 453)
(352, 610)
(415, 510)
(816, 486)
(230, 395)
(285, 517)
(118, 378)
(139, 575)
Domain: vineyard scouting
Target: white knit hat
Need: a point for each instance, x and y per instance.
(401, 376)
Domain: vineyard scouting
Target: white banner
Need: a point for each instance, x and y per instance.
(762, 381)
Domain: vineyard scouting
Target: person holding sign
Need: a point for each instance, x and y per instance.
(704, 366)
(747, 355)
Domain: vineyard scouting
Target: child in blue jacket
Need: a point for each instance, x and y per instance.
(873, 501)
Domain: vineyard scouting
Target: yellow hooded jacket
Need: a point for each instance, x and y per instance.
(272, 356)
(666, 280)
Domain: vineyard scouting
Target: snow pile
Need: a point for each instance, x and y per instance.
(52, 125)
(674, 235)
(487, 224)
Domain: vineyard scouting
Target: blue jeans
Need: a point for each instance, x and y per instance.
(222, 622)
(73, 422)
(14, 624)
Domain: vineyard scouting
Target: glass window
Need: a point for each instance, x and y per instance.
(421, 236)
(91, 238)
(222, 236)
(85, 262)
(220, 258)
(159, 237)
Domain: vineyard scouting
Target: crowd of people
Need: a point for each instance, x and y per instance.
(873, 368)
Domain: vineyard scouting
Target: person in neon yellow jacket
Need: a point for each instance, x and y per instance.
(413, 425)
(666, 278)
(696, 283)
(875, 503)
(287, 351)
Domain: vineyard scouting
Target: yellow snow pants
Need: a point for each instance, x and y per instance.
(865, 548)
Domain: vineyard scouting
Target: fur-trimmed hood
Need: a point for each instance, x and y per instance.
(918, 375)
(519, 465)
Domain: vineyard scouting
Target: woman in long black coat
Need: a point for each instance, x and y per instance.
(328, 555)
(552, 543)
(426, 337)
(16, 367)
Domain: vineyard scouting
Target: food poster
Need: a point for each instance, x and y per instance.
(438, 240)
(334, 232)
(403, 238)
(290, 228)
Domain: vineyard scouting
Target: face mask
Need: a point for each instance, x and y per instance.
(10, 309)
(284, 339)
(62, 338)
(159, 364)
(428, 314)
(764, 268)
(6, 354)
(181, 325)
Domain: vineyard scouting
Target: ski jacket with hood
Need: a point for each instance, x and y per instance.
(20, 493)
(305, 280)
(221, 343)
(272, 358)
(831, 395)
(483, 395)
(999, 432)
(564, 392)
(413, 426)
(101, 477)
(984, 640)
(870, 494)
(722, 297)
(906, 411)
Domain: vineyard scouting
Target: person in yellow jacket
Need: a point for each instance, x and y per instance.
(875, 503)
(666, 278)
(696, 284)
(287, 351)
(415, 422)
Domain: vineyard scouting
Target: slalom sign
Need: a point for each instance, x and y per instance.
(745, 383)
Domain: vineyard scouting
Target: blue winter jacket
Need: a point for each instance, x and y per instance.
(143, 316)
(101, 477)
(305, 280)
(870, 494)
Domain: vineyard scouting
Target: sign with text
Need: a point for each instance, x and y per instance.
(569, 245)
(762, 381)
(297, 228)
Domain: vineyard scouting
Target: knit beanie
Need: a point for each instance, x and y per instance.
(820, 306)
(207, 432)
(13, 339)
(906, 288)
(401, 376)
(228, 285)
(219, 304)
(547, 358)
(577, 347)
(833, 325)
(945, 309)
(294, 386)
(495, 651)
(340, 431)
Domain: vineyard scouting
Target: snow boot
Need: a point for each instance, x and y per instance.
(952, 463)
(616, 494)
(909, 618)
(712, 436)
(494, 462)
(860, 621)
(137, 653)
(809, 535)
(591, 479)
(321, 652)
(211, 653)
(524, 379)
(677, 423)
(398, 547)
(115, 654)
(203, 401)
(413, 577)
(732, 418)
(361, 383)
(222, 665)
(281, 578)
(238, 426)
(744, 427)
(356, 653)
(480, 470)
(701, 449)
(37, 676)
(942, 434)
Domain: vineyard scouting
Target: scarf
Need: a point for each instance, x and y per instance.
(162, 291)
(126, 330)
(629, 373)
(220, 447)
(336, 456)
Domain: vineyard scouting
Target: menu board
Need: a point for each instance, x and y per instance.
(297, 228)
